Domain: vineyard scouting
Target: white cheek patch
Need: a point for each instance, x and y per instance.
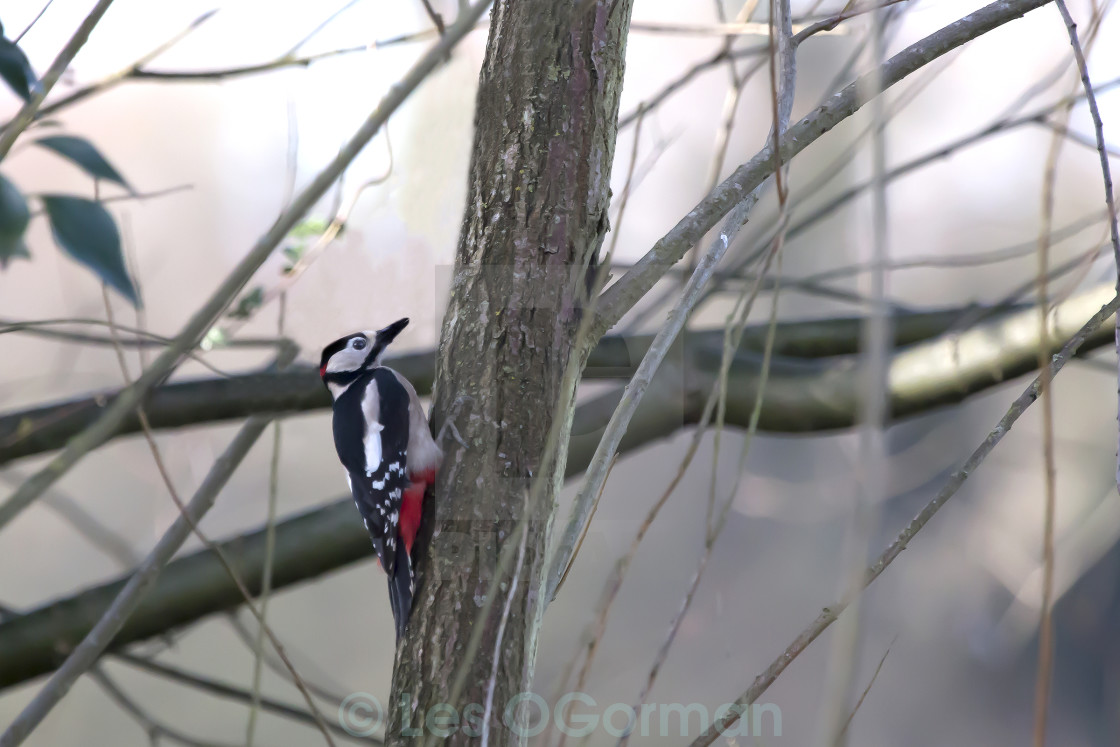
(346, 360)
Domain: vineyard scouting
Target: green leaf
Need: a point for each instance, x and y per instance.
(83, 153)
(14, 217)
(85, 230)
(308, 228)
(16, 70)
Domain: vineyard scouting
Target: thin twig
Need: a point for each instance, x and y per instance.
(866, 690)
(958, 261)
(1045, 393)
(269, 552)
(627, 186)
(1044, 674)
(1078, 139)
(731, 100)
(492, 683)
(142, 338)
(322, 25)
(1106, 171)
(830, 23)
(222, 74)
(875, 370)
(838, 166)
(34, 21)
(129, 196)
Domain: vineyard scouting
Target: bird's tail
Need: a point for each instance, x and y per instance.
(401, 587)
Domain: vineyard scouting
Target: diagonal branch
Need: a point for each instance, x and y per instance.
(1106, 170)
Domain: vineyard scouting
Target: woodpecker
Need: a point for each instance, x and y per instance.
(386, 447)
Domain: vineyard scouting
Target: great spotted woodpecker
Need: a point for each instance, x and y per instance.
(383, 441)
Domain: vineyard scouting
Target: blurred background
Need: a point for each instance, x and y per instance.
(219, 157)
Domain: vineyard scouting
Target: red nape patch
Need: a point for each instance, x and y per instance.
(322, 370)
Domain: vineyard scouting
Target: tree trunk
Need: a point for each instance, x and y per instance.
(536, 215)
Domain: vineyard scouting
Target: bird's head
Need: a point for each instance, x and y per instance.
(358, 352)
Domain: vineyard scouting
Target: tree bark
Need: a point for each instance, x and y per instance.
(539, 188)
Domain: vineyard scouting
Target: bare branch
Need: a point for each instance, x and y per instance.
(866, 690)
(34, 21)
(1106, 171)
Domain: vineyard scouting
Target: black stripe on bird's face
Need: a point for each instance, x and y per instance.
(345, 355)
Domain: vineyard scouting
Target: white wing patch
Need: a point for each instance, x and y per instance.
(371, 410)
(372, 442)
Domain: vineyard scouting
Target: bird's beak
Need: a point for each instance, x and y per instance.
(388, 334)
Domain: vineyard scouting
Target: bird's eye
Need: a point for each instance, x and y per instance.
(359, 343)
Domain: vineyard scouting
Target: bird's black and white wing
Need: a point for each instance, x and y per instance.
(371, 426)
